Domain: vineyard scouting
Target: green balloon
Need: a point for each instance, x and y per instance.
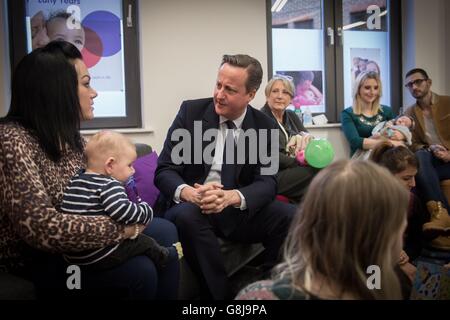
(319, 153)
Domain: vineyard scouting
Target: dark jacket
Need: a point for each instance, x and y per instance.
(258, 190)
(293, 126)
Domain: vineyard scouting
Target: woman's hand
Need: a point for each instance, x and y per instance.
(440, 152)
(298, 143)
(410, 270)
(403, 258)
(306, 138)
(130, 231)
(292, 146)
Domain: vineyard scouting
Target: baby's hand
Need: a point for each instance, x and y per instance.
(389, 124)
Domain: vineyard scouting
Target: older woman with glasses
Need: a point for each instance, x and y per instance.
(292, 178)
(359, 120)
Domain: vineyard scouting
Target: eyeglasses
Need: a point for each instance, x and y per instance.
(282, 77)
(417, 82)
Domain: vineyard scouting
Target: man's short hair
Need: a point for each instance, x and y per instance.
(252, 66)
(417, 70)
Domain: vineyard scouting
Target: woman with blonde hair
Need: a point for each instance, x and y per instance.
(292, 178)
(359, 120)
(350, 223)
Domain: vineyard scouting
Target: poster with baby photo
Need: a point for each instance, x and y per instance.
(364, 60)
(308, 89)
(95, 28)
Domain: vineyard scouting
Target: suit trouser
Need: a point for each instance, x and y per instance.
(431, 172)
(198, 234)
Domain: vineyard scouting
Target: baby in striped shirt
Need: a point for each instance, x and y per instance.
(99, 190)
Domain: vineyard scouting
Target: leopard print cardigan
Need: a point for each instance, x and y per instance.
(31, 185)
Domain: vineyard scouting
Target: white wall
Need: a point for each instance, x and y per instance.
(426, 42)
(182, 43)
(336, 137)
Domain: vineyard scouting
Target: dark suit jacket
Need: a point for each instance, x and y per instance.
(258, 190)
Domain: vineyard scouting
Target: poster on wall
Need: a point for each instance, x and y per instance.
(364, 60)
(95, 28)
(308, 89)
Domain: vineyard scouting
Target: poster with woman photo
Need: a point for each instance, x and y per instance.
(95, 28)
(308, 89)
(364, 60)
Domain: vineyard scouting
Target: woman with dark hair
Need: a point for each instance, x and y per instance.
(403, 164)
(40, 150)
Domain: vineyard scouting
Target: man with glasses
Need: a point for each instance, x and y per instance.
(431, 142)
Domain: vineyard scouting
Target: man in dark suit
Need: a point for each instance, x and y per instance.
(213, 195)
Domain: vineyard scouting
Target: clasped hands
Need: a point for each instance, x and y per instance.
(298, 143)
(210, 197)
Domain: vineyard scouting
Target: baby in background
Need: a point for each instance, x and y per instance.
(62, 26)
(308, 98)
(398, 129)
(99, 190)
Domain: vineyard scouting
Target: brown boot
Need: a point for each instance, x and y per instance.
(439, 220)
(442, 242)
